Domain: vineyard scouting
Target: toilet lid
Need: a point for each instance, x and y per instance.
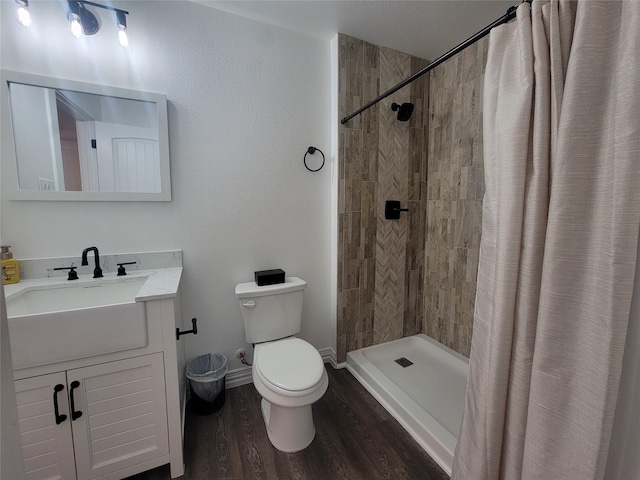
(291, 364)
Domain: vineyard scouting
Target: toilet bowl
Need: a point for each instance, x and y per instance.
(290, 377)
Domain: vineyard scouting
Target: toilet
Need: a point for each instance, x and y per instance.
(287, 371)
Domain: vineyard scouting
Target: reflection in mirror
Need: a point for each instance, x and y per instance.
(86, 142)
(82, 142)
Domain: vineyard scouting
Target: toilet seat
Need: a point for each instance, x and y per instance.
(289, 366)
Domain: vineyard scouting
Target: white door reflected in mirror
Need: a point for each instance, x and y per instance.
(128, 158)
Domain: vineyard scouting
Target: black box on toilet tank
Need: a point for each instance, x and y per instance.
(269, 277)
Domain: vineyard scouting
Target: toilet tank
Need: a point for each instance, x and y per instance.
(271, 311)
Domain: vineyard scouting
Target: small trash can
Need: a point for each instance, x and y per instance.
(206, 375)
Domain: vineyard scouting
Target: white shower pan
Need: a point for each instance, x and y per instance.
(425, 396)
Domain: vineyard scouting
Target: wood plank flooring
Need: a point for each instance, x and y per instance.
(355, 439)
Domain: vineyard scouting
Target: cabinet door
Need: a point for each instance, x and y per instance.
(47, 445)
(124, 418)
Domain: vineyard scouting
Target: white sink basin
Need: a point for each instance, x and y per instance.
(73, 296)
(59, 322)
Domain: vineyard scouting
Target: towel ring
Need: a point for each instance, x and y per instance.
(312, 150)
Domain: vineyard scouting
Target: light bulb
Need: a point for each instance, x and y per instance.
(76, 26)
(122, 38)
(24, 17)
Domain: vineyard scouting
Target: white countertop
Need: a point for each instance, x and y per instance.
(161, 283)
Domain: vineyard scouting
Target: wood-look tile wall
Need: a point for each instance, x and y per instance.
(454, 197)
(380, 262)
(418, 274)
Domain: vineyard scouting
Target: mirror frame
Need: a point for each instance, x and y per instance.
(9, 173)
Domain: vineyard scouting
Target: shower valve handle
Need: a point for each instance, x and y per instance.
(392, 210)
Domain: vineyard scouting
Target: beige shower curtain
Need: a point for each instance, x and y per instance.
(559, 242)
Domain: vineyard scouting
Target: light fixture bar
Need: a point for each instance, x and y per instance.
(106, 7)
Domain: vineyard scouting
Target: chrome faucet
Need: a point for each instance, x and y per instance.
(97, 272)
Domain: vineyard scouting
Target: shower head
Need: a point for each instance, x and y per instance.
(404, 111)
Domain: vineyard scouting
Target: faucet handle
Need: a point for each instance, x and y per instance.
(73, 275)
(121, 270)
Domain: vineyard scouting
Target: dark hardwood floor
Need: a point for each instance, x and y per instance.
(355, 439)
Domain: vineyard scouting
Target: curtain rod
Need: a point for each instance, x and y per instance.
(511, 14)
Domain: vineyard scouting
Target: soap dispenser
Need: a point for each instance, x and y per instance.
(10, 270)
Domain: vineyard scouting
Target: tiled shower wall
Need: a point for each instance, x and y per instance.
(398, 278)
(454, 197)
(380, 262)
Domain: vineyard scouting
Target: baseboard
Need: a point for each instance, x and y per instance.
(242, 376)
(238, 377)
(329, 356)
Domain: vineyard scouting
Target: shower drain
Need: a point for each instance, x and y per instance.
(403, 362)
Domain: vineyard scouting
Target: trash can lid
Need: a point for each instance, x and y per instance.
(291, 364)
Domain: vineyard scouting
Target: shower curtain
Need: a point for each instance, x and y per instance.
(561, 219)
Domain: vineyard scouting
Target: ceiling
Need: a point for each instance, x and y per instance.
(422, 28)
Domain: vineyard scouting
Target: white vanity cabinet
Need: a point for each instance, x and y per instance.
(118, 419)
(109, 416)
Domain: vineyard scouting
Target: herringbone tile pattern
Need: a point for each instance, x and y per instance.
(391, 236)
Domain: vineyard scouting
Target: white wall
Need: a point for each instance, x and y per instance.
(245, 101)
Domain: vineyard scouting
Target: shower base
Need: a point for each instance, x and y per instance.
(422, 384)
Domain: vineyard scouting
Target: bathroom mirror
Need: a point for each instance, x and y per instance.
(66, 140)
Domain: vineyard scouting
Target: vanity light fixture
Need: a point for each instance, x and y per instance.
(74, 19)
(121, 22)
(24, 17)
(83, 22)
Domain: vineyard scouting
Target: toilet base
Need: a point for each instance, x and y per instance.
(289, 429)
